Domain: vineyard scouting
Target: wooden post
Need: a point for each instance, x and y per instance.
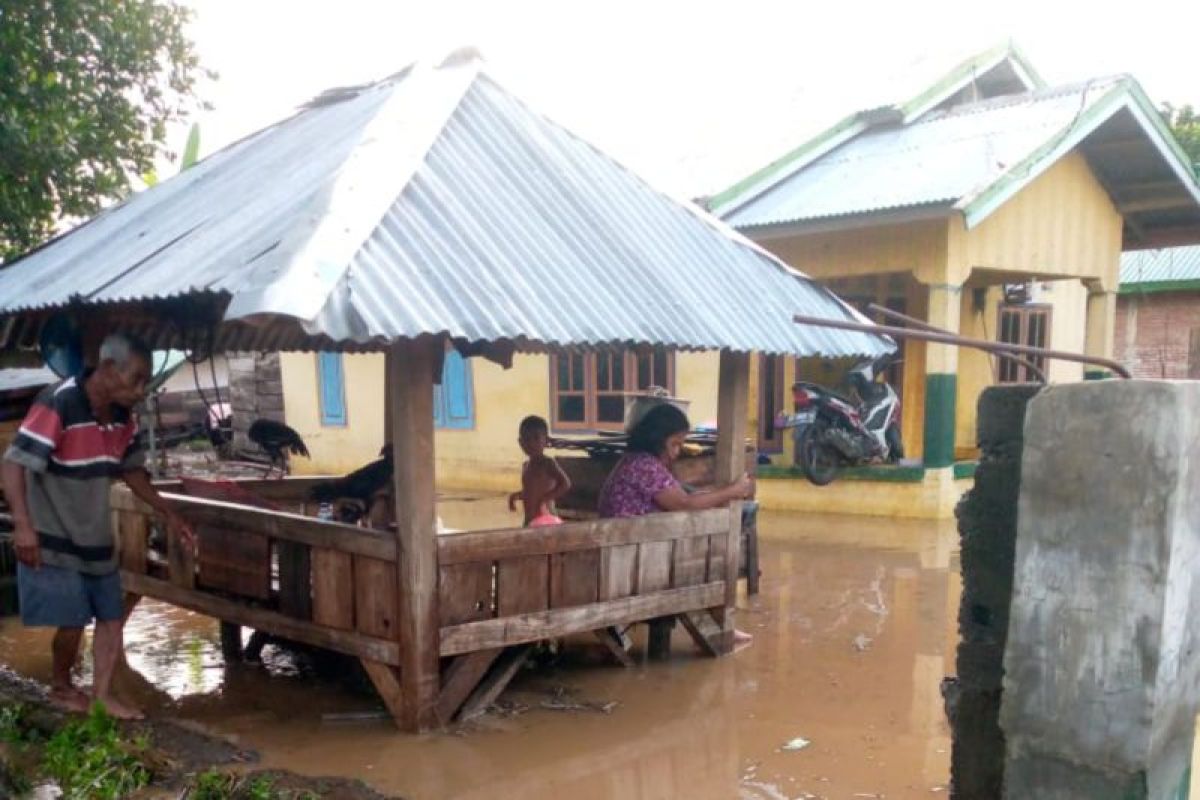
(410, 371)
(732, 406)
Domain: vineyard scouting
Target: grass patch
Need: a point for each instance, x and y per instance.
(217, 785)
(89, 758)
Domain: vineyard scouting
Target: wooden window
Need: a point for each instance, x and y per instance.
(1027, 325)
(587, 390)
(770, 402)
(454, 398)
(331, 388)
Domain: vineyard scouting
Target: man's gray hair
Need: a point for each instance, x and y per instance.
(120, 347)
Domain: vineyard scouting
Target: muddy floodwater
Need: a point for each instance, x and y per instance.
(836, 698)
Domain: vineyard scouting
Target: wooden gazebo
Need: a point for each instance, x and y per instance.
(425, 211)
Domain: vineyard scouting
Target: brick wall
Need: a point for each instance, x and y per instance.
(1152, 331)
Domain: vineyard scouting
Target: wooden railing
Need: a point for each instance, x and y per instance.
(506, 587)
(317, 582)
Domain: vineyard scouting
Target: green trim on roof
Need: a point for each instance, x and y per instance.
(1158, 287)
(810, 146)
(1032, 165)
(977, 64)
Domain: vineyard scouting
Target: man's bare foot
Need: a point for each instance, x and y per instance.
(741, 639)
(68, 698)
(116, 708)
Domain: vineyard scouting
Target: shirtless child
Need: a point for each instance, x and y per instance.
(542, 479)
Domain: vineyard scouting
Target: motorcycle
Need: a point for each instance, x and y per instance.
(834, 432)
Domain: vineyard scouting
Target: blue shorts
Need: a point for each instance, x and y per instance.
(64, 598)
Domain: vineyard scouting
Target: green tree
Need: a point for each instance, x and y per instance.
(87, 90)
(1185, 124)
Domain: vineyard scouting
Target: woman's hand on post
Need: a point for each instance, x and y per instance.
(743, 487)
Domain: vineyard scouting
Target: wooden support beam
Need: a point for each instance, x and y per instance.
(410, 371)
(733, 394)
(539, 625)
(387, 683)
(461, 678)
(617, 643)
(354, 644)
(496, 681)
(704, 630)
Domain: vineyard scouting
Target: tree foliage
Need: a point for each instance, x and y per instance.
(1185, 124)
(87, 90)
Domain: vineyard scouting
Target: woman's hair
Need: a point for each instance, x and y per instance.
(651, 432)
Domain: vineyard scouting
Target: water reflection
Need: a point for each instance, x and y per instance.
(853, 632)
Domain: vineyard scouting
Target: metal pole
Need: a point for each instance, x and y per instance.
(960, 341)
(925, 326)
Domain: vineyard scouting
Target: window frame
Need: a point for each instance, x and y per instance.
(1008, 371)
(590, 365)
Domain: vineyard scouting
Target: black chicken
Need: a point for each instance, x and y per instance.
(361, 485)
(276, 440)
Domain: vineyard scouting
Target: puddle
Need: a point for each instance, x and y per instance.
(854, 629)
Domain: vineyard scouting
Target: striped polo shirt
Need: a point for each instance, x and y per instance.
(71, 460)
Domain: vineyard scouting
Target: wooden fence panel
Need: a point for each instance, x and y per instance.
(374, 597)
(618, 572)
(522, 585)
(333, 588)
(574, 578)
(654, 567)
(295, 580)
(691, 561)
(234, 561)
(465, 592)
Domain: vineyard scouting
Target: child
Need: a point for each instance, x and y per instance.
(542, 479)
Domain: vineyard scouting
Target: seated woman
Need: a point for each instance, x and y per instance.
(642, 482)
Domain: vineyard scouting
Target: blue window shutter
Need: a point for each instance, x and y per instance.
(332, 388)
(453, 401)
(439, 404)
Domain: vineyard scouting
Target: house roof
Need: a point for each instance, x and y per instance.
(429, 203)
(1171, 269)
(944, 152)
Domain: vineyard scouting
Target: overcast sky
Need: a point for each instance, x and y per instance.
(691, 94)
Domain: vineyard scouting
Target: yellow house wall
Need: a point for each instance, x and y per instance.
(1062, 224)
(916, 247)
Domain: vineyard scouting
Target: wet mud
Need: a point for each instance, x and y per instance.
(837, 697)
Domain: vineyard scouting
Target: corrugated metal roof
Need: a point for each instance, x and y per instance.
(431, 204)
(936, 160)
(1168, 265)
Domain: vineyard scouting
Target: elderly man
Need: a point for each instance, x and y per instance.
(79, 435)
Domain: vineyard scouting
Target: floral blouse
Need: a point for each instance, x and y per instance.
(631, 486)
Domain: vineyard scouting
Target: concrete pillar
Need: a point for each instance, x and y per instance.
(941, 378)
(1101, 320)
(1101, 675)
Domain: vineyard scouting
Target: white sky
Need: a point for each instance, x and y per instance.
(692, 94)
